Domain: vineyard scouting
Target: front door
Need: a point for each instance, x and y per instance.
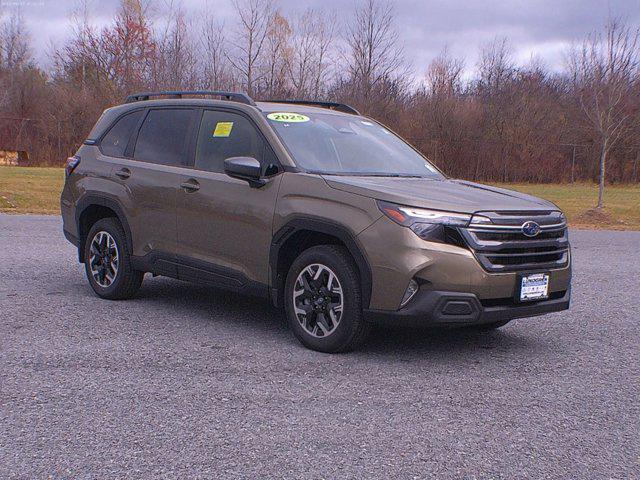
(224, 225)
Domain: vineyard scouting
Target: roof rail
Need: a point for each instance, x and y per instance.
(234, 96)
(340, 107)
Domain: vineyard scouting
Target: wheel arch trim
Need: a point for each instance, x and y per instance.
(102, 200)
(326, 227)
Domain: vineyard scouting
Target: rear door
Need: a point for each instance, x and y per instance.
(224, 225)
(151, 176)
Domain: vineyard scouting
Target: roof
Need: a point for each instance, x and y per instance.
(110, 114)
(295, 105)
(208, 102)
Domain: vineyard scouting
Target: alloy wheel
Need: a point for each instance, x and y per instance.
(318, 300)
(103, 259)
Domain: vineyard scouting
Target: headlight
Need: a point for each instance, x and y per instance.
(480, 220)
(427, 224)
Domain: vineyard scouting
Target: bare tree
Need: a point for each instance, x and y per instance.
(496, 72)
(324, 27)
(175, 62)
(117, 59)
(254, 19)
(375, 54)
(277, 56)
(312, 41)
(14, 42)
(304, 48)
(216, 68)
(128, 48)
(444, 74)
(495, 66)
(15, 54)
(604, 69)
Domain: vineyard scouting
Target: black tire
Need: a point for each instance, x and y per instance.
(127, 281)
(352, 329)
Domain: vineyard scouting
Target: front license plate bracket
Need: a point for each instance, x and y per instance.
(532, 287)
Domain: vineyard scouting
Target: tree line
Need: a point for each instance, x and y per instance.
(495, 120)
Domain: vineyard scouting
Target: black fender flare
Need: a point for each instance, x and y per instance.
(326, 227)
(103, 200)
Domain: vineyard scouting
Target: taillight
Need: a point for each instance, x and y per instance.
(72, 163)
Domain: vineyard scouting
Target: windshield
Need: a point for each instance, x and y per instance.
(347, 145)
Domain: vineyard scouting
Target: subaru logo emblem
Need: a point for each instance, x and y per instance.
(530, 229)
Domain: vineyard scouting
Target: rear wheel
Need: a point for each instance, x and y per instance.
(323, 300)
(107, 261)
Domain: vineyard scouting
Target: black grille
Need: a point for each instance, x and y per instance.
(516, 236)
(501, 246)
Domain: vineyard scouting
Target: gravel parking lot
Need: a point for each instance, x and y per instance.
(192, 382)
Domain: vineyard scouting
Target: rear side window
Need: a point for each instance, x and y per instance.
(163, 137)
(223, 135)
(115, 141)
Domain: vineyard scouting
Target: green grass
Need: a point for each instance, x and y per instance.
(30, 190)
(37, 190)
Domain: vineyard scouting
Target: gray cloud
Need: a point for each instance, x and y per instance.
(541, 27)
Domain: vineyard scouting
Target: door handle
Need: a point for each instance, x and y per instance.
(123, 173)
(190, 186)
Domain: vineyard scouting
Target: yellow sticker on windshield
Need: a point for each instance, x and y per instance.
(287, 117)
(223, 129)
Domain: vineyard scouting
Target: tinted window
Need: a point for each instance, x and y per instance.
(162, 138)
(223, 135)
(115, 142)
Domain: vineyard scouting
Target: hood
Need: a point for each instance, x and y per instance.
(439, 194)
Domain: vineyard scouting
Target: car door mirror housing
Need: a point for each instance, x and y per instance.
(245, 168)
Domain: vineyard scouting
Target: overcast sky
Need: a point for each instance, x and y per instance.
(535, 27)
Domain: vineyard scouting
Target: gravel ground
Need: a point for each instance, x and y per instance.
(192, 382)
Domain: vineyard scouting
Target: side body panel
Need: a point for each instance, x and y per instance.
(308, 195)
(149, 200)
(144, 202)
(227, 224)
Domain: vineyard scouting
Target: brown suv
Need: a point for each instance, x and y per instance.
(324, 211)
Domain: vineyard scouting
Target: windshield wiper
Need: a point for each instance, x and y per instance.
(364, 174)
(394, 175)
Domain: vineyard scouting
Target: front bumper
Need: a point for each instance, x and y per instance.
(397, 255)
(429, 307)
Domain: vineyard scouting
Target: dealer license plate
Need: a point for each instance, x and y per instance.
(534, 287)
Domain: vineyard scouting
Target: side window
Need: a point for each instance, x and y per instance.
(115, 141)
(223, 135)
(163, 137)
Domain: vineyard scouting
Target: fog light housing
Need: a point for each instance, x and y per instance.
(412, 289)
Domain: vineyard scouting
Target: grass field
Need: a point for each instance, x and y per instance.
(37, 190)
(30, 190)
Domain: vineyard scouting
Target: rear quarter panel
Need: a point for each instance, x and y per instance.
(92, 175)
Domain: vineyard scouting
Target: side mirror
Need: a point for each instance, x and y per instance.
(245, 168)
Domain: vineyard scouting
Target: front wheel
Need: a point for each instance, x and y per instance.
(107, 261)
(323, 300)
